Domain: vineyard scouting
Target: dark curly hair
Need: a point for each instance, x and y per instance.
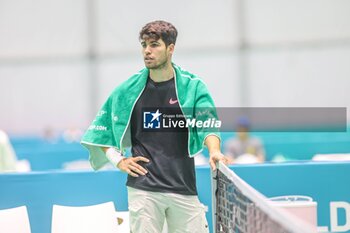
(159, 30)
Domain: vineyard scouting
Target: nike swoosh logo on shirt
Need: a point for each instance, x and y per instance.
(171, 101)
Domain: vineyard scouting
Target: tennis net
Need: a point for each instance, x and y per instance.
(239, 208)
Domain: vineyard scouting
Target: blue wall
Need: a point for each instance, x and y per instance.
(325, 182)
(44, 155)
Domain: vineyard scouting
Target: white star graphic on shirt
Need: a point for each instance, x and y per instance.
(155, 115)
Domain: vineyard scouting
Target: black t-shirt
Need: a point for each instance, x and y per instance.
(170, 169)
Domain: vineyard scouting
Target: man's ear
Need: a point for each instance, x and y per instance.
(171, 48)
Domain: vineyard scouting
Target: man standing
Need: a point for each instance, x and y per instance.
(156, 112)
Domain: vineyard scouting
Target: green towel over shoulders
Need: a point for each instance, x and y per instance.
(111, 126)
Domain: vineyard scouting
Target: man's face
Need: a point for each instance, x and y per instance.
(155, 54)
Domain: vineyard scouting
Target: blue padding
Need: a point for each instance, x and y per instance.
(324, 182)
(44, 155)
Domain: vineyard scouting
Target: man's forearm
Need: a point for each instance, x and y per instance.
(113, 155)
(213, 143)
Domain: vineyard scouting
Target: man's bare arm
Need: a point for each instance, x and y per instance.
(128, 165)
(213, 144)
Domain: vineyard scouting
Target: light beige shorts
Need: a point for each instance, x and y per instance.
(149, 210)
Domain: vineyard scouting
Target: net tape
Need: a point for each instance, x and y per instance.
(241, 209)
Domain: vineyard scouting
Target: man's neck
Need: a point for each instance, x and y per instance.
(164, 74)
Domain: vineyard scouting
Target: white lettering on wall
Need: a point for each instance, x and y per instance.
(335, 206)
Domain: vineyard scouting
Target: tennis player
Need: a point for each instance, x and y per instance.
(155, 112)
